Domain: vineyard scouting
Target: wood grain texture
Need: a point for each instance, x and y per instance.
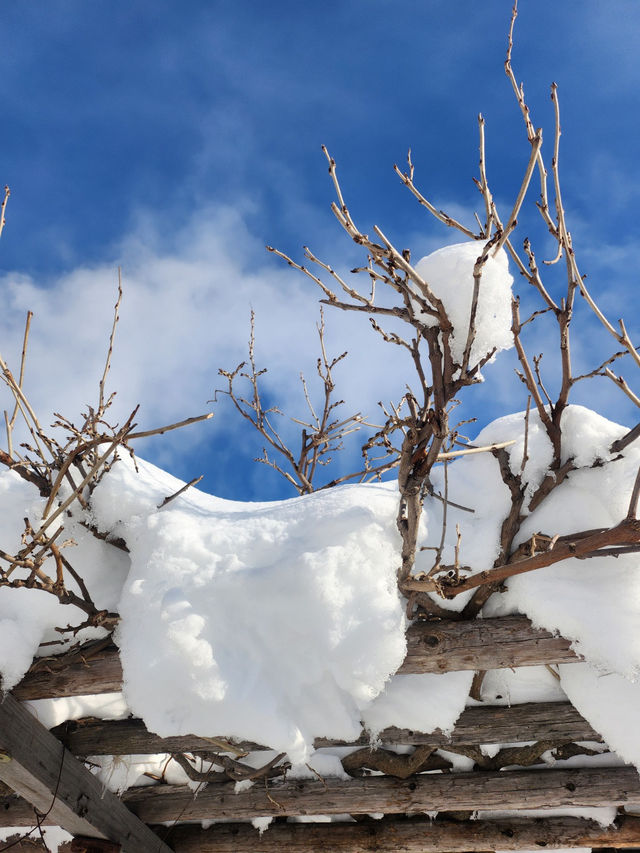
(415, 835)
(482, 644)
(557, 721)
(527, 789)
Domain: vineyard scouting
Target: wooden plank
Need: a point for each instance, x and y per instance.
(415, 835)
(431, 647)
(557, 721)
(36, 765)
(482, 644)
(16, 811)
(517, 789)
(95, 668)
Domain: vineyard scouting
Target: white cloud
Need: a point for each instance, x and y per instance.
(185, 312)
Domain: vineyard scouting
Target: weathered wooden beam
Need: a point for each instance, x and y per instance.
(556, 721)
(509, 641)
(95, 668)
(527, 789)
(414, 835)
(36, 765)
(16, 811)
(482, 644)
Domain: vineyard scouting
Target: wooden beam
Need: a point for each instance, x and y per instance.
(495, 724)
(509, 641)
(414, 835)
(93, 668)
(36, 766)
(482, 644)
(556, 721)
(517, 789)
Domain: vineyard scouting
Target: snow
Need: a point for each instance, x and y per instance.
(449, 274)
(275, 623)
(53, 712)
(610, 702)
(423, 703)
(594, 602)
(54, 836)
(516, 686)
(281, 622)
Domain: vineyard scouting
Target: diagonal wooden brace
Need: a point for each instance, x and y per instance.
(35, 765)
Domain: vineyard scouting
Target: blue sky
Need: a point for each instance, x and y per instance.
(176, 139)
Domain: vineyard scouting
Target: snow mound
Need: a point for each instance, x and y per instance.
(28, 617)
(423, 703)
(271, 622)
(449, 274)
(593, 602)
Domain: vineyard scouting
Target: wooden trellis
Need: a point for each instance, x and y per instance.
(44, 770)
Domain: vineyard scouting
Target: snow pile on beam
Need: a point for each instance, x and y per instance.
(271, 622)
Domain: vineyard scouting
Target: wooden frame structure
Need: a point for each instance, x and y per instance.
(43, 770)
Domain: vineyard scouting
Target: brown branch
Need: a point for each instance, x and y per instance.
(625, 533)
(620, 444)
(449, 221)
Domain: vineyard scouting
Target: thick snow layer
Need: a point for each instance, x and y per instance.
(53, 712)
(449, 274)
(276, 623)
(610, 702)
(594, 602)
(281, 622)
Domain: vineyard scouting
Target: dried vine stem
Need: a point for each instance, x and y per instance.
(422, 419)
(322, 433)
(3, 207)
(65, 463)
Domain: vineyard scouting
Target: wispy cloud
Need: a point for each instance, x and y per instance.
(185, 313)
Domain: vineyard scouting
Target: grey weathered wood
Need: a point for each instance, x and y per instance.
(557, 721)
(416, 835)
(530, 789)
(95, 668)
(16, 811)
(431, 647)
(36, 765)
(482, 644)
